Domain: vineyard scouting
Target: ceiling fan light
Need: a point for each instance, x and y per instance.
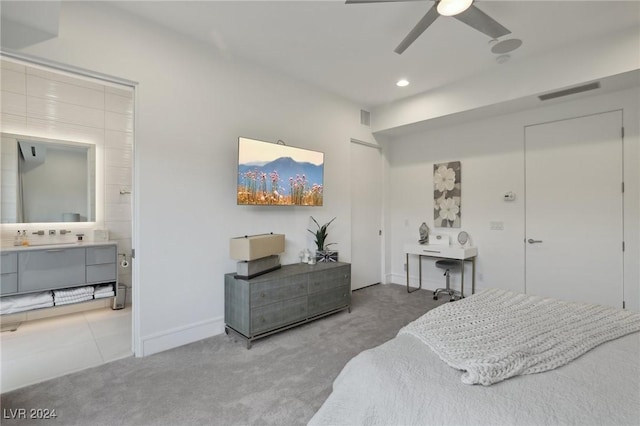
(453, 7)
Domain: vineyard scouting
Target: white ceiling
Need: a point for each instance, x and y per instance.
(348, 49)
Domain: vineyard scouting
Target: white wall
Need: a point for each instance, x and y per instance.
(192, 104)
(492, 155)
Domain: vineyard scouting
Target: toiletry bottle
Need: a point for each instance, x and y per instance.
(25, 239)
(18, 240)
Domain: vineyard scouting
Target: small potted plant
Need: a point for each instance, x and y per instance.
(323, 254)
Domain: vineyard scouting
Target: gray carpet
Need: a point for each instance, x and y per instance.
(282, 380)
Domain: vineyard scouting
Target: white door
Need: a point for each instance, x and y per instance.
(366, 215)
(573, 238)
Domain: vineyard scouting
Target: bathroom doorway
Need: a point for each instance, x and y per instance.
(89, 108)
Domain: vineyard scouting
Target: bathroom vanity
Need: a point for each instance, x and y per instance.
(57, 266)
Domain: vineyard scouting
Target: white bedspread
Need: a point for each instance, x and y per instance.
(497, 334)
(403, 382)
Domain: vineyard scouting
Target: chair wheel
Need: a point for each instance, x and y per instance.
(435, 297)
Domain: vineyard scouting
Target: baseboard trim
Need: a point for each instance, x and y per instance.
(366, 286)
(179, 336)
(413, 281)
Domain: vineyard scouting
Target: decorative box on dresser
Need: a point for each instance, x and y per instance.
(288, 297)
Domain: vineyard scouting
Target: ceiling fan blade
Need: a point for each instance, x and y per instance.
(420, 27)
(482, 22)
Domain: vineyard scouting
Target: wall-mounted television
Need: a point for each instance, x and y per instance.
(280, 175)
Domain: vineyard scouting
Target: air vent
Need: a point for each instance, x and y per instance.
(570, 91)
(365, 118)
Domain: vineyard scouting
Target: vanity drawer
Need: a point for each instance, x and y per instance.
(9, 263)
(101, 255)
(326, 301)
(8, 283)
(47, 269)
(101, 273)
(268, 292)
(279, 314)
(333, 278)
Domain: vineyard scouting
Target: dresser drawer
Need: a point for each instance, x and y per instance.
(268, 292)
(326, 301)
(8, 283)
(9, 263)
(47, 269)
(100, 255)
(101, 273)
(278, 314)
(329, 279)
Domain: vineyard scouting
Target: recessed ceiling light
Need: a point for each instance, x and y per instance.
(402, 83)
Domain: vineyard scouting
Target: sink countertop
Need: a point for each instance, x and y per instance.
(38, 245)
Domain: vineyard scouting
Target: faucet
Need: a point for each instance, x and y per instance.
(38, 233)
(64, 231)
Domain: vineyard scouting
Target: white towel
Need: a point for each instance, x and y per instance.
(102, 289)
(42, 305)
(73, 292)
(74, 298)
(17, 309)
(105, 295)
(23, 302)
(67, 302)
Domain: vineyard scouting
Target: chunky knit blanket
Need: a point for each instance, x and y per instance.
(498, 334)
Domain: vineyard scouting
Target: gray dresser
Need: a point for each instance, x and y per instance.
(287, 297)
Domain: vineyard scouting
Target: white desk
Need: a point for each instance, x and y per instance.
(443, 252)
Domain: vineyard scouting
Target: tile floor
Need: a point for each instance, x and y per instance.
(43, 349)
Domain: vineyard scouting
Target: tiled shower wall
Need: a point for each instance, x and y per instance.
(40, 102)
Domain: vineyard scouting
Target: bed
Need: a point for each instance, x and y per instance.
(581, 365)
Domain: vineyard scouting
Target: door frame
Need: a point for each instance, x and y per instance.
(381, 207)
(622, 177)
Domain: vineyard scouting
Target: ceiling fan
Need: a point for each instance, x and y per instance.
(463, 10)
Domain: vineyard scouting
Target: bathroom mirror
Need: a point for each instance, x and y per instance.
(47, 180)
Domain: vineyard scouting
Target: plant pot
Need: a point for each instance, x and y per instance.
(326, 256)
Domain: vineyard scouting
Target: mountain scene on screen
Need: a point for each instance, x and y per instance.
(283, 181)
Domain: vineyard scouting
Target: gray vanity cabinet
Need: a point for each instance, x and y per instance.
(9, 270)
(51, 268)
(32, 269)
(287, 297)
(101, 264)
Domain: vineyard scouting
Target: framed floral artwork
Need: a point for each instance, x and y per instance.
(446, 195)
